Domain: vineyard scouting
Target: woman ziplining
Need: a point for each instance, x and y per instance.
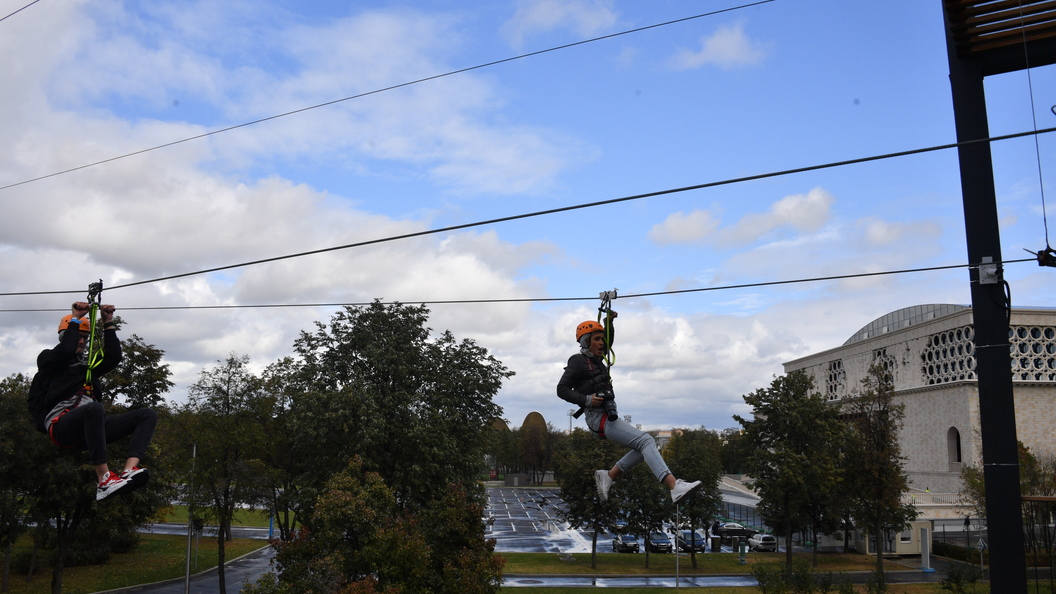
(65, 399)
(586, 383)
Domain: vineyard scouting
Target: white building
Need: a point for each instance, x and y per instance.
(930, 352)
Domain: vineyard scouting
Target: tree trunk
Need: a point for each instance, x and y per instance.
(594, 548)
(788, 537)
(220, 538)
(56, 570)
(5, 582)
(880, 555)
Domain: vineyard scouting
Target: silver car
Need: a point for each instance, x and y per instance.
(762, 543)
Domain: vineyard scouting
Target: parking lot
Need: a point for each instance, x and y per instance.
(527, 520)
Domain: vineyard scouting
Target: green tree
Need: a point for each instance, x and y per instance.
(694, 454)
(538, 442)
(416, 409)
(364, 540)
(734, 450)
(1036, 477)
(797, 435)
(644, 503)
(141, 378)
(21, 448)
(575, 465)
(281, 465)
(876, 477)
(220, 418)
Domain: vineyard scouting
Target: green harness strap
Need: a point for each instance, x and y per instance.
(94, 347)
(605, 313)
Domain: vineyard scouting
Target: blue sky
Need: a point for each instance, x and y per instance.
(776, 86)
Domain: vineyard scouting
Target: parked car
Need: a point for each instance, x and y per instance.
(762, 543)
(728, 529)
(688, 540)
(658, 542)
(625, 543)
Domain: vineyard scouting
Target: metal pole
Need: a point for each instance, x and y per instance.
(678, 526)
(990, 312)
(190, 523)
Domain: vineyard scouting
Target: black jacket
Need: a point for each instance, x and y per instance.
(58, 377)
(584, 376)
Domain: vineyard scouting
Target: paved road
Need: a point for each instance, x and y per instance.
(247, 568)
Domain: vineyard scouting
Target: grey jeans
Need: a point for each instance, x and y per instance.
(643, 446)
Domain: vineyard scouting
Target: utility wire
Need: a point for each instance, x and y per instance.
(1034, 116)
(389, 88)
(19, 10)
(544, 299)
(558, 210)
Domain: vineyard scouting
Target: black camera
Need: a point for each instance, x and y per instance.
(610, 404)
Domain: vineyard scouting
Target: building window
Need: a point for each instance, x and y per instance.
(1033, 353)
(906, 536)
(949, 357)
(953, 448)
(834, 379)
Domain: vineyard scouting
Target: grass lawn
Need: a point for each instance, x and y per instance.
(158, 557)
(708, 563)
(891, 589)
(177, 514)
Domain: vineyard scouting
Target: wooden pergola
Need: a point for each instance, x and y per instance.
(1003, 35)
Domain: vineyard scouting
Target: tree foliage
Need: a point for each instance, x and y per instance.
(1036, 477)
(875, 455)
(220, 420)
(417, 410)
(364, 540)
(797, 438)
(694, 454)
(141, 378)
(575, 464)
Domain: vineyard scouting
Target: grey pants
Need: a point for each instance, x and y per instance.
(643, 446)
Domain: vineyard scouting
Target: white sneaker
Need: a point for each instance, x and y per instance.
(681, 488)
(110, 484)
(603, 482)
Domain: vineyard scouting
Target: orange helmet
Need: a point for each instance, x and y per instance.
(86, 326)
(588, 327)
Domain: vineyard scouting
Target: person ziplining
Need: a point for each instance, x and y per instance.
(66, 402)
(586, 383)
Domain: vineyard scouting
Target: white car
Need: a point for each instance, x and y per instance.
(762, 542)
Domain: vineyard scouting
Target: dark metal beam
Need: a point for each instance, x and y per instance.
(990, 311)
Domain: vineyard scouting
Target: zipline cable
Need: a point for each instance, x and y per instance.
(19, 10)
(385, 89)
(1034, 118)
(543, 299)
(562, 209)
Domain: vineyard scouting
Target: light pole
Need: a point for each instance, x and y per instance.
(190, 522)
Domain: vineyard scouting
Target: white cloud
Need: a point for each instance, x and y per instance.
(582, 17)
(806, 213)
(728, 48)
(679, 227)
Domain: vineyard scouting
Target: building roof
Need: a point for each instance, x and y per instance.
(903, 318)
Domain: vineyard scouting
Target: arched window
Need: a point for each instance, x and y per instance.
(953, 449)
